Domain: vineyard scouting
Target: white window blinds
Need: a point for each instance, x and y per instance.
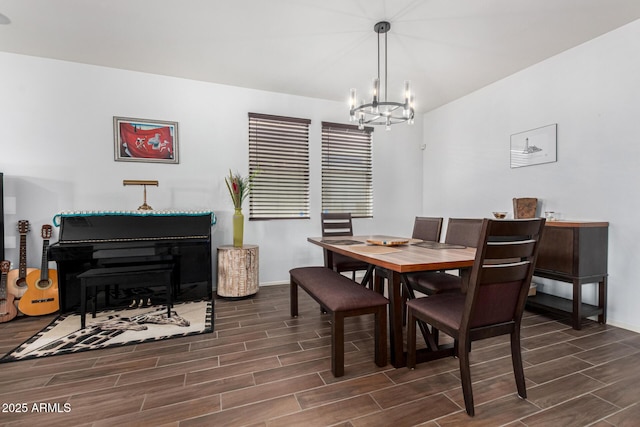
(347, 175)
(279, 161)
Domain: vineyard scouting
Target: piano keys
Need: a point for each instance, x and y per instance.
(98, 240)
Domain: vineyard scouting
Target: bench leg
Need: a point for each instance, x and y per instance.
(293, 298)
(337, 344)
(381, 336)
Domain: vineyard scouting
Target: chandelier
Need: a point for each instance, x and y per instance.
(380, 111)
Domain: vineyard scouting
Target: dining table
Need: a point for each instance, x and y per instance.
(396, 257)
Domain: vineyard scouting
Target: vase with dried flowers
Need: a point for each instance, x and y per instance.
(239, 188)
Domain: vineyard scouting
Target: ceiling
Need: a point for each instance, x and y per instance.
(314, 48)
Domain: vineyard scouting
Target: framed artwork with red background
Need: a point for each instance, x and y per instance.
(140, 140)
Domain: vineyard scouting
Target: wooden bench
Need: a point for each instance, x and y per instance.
(341, 297)
(127, 277)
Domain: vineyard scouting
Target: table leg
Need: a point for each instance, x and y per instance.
(398, 355)
(429, 337)
(395, 320)
(368, 279)
(328, 259)
(465, 275)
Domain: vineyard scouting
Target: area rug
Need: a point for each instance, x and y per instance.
(118, 327)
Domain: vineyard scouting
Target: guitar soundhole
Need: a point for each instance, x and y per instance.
(39, 301)
(43, 284)
(21, 282)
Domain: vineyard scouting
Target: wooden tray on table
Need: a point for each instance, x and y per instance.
(387, 241)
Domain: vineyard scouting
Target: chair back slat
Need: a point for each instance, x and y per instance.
(336, 224)
(500, 273)
(427, 228)
(510, 228)
(503, 250)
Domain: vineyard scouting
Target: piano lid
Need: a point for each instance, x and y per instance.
(85, 226)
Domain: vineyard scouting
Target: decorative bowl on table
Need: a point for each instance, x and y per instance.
(500, 215)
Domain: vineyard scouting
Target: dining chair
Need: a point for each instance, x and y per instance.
(424, 228)
(340, 225)
(494, 301)
(427, 228)
(460, 231)
(524, 207)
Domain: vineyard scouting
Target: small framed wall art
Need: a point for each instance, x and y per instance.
(140, 140)
(534, 147)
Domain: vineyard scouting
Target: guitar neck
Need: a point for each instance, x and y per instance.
(22, 266)
(3, 287)
(44, 270)
(4, 270)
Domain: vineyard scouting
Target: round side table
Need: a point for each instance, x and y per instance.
(238, 271)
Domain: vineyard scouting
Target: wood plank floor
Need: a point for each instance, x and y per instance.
(262, 368)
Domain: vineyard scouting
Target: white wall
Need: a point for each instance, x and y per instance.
(58, 150)
(593, 93)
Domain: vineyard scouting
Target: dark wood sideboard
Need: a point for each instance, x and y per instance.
(573, 252)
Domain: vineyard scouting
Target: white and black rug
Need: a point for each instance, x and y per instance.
(116, 327)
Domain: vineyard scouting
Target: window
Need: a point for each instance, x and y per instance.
(347, 176)
(279, 162)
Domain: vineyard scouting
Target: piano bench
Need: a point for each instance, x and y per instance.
(139, 276)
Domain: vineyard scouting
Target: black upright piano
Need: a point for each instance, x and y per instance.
(88, 240)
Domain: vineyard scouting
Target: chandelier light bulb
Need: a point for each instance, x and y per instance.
(410, 120)
(376, 92)
(352, 104)
(407, 99)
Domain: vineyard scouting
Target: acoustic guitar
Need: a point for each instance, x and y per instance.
(17, 278)
(7, 309)
(42, 285)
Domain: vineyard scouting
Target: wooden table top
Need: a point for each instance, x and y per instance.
(402, 258)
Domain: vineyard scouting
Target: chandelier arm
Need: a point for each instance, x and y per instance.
(381, 120)
(396, 105)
